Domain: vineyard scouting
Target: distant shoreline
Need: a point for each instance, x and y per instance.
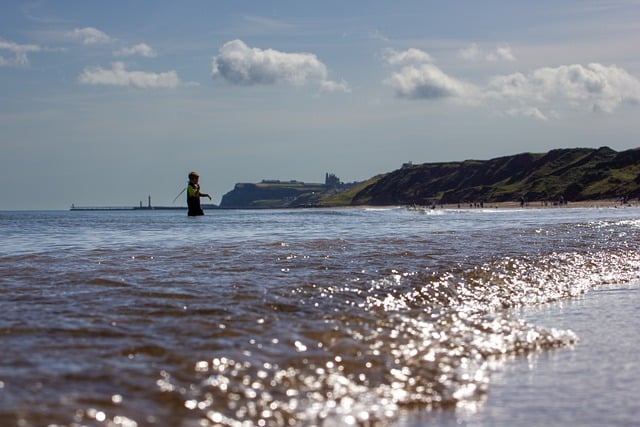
(605, 203)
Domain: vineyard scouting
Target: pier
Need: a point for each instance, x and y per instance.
(148, 207)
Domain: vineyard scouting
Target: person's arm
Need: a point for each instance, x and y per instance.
(204, 195)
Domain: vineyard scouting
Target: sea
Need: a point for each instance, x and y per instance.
(396, 316)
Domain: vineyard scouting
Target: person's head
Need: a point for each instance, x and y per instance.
(193, 177)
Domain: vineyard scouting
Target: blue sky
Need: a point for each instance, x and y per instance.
(105, 103)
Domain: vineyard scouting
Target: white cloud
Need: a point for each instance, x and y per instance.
(89, 36)
(118, 75)
(514, 85)
(474, 53)
(18, 52)
(537, 94)
(596, 87)
(141, 49)
(407, 57)
(239, 64)
(427, 81)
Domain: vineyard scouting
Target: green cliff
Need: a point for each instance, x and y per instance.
(575, 174)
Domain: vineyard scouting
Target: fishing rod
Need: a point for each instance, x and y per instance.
(183, 190)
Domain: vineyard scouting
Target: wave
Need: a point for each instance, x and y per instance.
(402, 341)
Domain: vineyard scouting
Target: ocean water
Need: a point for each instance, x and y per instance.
(323, 317)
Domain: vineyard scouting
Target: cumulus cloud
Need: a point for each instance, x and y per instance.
(240, 64)
(89, 36)
(118, 75)
(426, 81)
(17, 53)
(594, 86)
(409, 56)
(417, 78)
(474, 53)
(538, 94)
(141, 49)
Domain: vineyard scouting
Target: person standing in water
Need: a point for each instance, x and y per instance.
(194, 194)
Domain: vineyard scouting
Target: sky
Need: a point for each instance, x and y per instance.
(107, 103)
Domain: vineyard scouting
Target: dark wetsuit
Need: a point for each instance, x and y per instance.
(193, 200)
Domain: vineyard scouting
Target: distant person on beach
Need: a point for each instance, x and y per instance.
(194, 194)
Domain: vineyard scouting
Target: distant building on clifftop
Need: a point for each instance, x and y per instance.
(332, 181)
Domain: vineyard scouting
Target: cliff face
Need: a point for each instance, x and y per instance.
(576, 174)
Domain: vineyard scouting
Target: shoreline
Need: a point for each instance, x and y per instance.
(597, 204)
